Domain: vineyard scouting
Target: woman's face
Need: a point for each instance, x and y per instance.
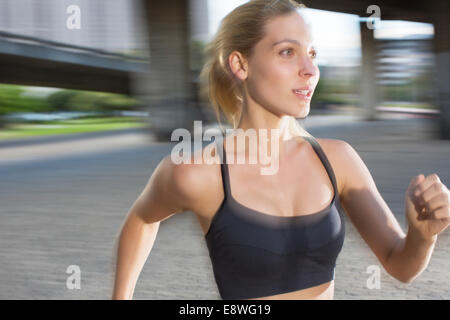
(283, 62)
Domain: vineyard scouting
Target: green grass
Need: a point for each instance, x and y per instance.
(44, 128)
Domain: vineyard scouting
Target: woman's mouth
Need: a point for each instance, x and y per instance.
(304, 94)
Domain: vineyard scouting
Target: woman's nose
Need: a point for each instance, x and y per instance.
(308, 67)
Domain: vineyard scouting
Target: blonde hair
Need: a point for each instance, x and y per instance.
(240, 30)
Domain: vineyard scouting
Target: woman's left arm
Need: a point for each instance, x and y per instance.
(427, 210)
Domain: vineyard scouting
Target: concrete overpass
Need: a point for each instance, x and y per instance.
(32, 61)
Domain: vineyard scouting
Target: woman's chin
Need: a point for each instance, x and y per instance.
(297, 111)
(302, 112)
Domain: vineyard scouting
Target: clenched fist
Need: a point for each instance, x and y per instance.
(428, 206)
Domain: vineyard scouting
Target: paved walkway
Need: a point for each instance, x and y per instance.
(62, 207)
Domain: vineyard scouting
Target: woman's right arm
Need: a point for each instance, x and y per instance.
(162, 197)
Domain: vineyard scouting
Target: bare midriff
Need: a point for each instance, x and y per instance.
(324, 291)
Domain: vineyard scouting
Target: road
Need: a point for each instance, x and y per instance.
(62, 204)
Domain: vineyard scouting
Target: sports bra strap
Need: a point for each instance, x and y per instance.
(224, 167)
(316, 146)
(324, 160)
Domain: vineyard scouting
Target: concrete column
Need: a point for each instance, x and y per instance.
(167, 89)
(369, 88)
(199, 20)
(442, 59)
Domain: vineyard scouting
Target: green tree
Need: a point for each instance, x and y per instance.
(60, 100)
(13, 99)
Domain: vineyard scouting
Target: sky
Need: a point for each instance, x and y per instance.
(337, 35)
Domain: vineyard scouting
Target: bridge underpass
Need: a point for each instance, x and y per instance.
(166, 82)
(170, 59)
(32, 61)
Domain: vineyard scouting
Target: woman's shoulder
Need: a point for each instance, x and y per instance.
(335, 151)
(332, 145)
(194, 178)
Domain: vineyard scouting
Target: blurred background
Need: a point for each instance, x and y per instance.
(135, 63)
(91, 90)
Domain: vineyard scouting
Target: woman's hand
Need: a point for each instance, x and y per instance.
(427, 206)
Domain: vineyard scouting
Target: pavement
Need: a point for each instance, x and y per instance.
(63, 203)
(46, 147)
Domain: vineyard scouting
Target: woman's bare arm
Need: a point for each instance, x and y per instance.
(162, 197)
(403, 256)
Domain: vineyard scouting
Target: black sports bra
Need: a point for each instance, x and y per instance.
(255, 254)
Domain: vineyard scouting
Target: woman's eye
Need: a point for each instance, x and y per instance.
(285, 50)
(313, 53)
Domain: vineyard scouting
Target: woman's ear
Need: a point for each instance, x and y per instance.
(238, 65)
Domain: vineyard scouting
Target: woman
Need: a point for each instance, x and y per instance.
(277, 236)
